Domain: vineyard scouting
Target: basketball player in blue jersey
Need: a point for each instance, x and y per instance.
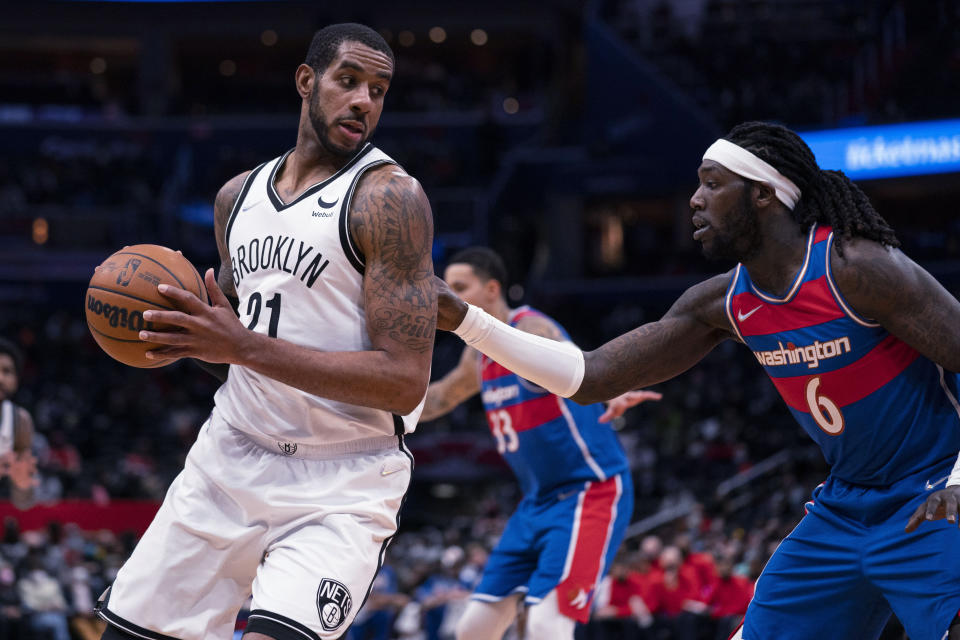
(16, 431)
(293, 488)
(577, 491)
(862, 345)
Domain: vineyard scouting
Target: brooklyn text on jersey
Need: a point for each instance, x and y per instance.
(283, 253)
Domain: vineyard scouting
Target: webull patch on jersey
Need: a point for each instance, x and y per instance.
(333, 603)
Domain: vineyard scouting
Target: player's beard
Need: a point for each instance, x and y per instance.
(739, 237)
(318, 119)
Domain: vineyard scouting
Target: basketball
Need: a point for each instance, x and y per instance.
(123, 287)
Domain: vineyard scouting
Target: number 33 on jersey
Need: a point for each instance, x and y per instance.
(548, 441)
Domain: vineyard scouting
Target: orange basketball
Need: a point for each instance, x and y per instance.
(123, 287)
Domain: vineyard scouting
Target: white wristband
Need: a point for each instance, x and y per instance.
(558, 367)
(954, 479)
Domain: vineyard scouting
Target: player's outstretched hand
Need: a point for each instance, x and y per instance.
(210, 332)
(938, 505)
(21, 467)
(450, 309)
(23, 471)
(619, 405)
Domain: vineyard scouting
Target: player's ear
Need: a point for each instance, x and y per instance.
(763, 194)
(305, 77)
(493, 289)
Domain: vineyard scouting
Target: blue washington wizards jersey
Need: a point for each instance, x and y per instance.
(548, 441)
(879, 410)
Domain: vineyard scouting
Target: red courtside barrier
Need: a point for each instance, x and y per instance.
(117, 515)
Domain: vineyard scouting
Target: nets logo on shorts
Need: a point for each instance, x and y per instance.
(333, 603)
(287, 448)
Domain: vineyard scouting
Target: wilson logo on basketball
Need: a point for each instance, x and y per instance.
(333, 603)
(117, 316)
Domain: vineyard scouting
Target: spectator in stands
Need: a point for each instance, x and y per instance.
(728, 598)
(12, 547)
(43, 600)
(11, 609)
(375, 620)
(83, 621)
(676, 601)
(440, 594)
(619, 609)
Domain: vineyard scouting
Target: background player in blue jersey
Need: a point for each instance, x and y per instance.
(859, 340)
(578, 495)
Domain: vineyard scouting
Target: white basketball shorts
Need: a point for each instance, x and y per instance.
(305, 535)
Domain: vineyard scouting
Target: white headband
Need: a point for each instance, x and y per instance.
(744, 163)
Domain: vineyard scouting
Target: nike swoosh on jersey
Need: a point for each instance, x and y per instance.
(743, 316)
(386, 472)
(934, 484)
(327, 205)
(247, 207)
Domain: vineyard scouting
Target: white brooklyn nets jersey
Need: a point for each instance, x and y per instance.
(299, 277)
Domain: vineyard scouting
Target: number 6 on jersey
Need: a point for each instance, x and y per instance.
(823, 410)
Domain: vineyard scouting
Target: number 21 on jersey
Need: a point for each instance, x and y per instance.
(255, 302)
(502, 426)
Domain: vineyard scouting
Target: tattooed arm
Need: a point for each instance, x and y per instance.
(222, 206)
(885, 286)
(392, 224)
(393, 227)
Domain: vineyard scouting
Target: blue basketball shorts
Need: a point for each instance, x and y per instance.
(565, 542)
(849, 564)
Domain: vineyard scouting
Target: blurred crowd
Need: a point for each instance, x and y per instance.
(870, 61)
(50, 580)
(691, 582)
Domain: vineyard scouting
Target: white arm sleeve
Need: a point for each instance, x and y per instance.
(556, 366)
(954, 479)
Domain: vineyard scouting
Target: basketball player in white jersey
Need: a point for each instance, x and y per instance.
(293, 488)
(16, 431)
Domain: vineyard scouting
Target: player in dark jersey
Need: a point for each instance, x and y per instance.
(16, 431)
(577, 491)
(862, 344)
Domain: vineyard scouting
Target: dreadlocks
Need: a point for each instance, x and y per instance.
(828, 197)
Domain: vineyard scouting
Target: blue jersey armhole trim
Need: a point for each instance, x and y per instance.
(835, 291)
(728, 301)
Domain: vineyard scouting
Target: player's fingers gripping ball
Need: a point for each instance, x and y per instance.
(123, 287)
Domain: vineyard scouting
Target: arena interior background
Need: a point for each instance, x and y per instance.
(565, 135)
